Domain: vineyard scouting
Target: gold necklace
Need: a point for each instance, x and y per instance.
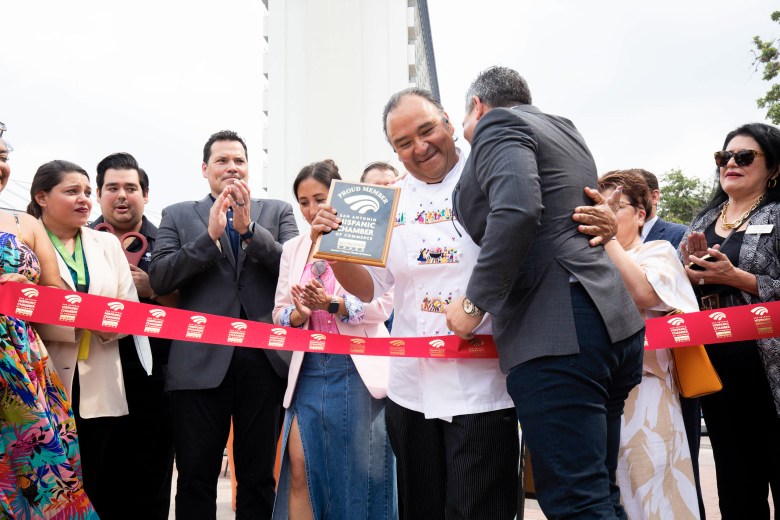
(737, 223)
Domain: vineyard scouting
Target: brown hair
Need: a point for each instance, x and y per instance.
(634, 186)
(46, 178)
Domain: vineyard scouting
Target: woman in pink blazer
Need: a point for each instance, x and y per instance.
(337, 461)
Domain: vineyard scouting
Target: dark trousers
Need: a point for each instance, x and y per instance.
(466, 469)
(252, 394)
(691, 413)
(94, 435)
(569, 409)
(744, 429)
(140, 448)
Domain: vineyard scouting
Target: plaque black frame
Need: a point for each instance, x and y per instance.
(367, 213)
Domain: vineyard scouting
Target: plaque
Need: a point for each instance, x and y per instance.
(367, 214)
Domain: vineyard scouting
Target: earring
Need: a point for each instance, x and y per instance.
(771, 183)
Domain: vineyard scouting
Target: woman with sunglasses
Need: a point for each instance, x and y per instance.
(88, 362)
(40, 468)
(654, 472)
(732, 257)
(337, 462)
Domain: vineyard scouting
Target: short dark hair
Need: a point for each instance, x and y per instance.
(46, 178)
(650, 178)
(377, 165)
(222, 135)
(121, 161)
(323, 172)
(768, 139)
(396, 98)
(498, 87)
(634, 187)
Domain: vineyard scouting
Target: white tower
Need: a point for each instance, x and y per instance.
(330, 67)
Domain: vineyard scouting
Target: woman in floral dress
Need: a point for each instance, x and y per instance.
(40, 473)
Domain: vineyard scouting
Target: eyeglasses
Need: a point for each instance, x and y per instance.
(742, 157)
(623, 204)
(319, 268)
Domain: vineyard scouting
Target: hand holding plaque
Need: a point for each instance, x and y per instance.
(367, 216)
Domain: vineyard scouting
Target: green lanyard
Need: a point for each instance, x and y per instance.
(76, 264)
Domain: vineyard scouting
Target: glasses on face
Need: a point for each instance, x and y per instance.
(742, 157)
(623, 205)
(319, 268)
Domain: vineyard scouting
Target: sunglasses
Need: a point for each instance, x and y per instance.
(742, 157)
(319, 268)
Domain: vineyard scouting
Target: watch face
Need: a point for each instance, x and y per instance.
(468, 307)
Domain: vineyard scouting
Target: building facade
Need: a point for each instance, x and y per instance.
(329, 67)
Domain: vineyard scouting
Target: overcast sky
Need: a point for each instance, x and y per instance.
(652, 84)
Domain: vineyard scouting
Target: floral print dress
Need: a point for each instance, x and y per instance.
(40, 470)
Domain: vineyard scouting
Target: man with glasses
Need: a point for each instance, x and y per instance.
(451, 423)
(566, 329)
(222, 253)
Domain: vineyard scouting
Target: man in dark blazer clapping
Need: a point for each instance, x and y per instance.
(222, 254)
(567, 332)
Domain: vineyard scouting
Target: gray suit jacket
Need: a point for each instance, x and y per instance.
(526, 174)
(669, 231)
(210, 281)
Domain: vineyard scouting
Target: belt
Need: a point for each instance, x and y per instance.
(721, 300)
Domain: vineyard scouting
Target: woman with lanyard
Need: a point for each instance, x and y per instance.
(88, 361)
(732, 257)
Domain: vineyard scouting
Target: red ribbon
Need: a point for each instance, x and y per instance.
(40, 304)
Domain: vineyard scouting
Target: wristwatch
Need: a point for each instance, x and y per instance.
(333, 306)
(471, 309)
(250, 232)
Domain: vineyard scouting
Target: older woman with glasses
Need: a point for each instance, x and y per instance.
(654, 472)
(337, 461)
(40, 468)
(732, 257)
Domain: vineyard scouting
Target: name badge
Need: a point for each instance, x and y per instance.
(761, 229)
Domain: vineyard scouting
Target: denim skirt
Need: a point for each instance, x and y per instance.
(349, 463)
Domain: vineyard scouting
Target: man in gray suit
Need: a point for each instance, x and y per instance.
(566, 329)
(222, 254)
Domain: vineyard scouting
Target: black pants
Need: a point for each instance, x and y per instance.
(94, 435)
(569, 409)
(691, 413)
(745, 433)
(252, 394)
(462, 470)
(140, 447)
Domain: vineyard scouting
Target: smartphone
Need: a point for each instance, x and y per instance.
(708, 258)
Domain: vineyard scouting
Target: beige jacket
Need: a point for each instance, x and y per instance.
(100, 375)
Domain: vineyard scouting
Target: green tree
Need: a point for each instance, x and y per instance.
(767, 55)
(682, 197)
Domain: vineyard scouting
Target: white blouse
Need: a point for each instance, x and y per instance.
(429, 264)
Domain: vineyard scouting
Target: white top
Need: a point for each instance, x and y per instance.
(430, 263)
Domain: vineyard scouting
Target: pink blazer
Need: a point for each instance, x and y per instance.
(373, 370)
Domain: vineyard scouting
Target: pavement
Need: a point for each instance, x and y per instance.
(532, 510)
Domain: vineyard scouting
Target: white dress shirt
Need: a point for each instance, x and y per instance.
(429, 264)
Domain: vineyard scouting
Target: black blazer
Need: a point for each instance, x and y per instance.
(210, 281)
(526, 174)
